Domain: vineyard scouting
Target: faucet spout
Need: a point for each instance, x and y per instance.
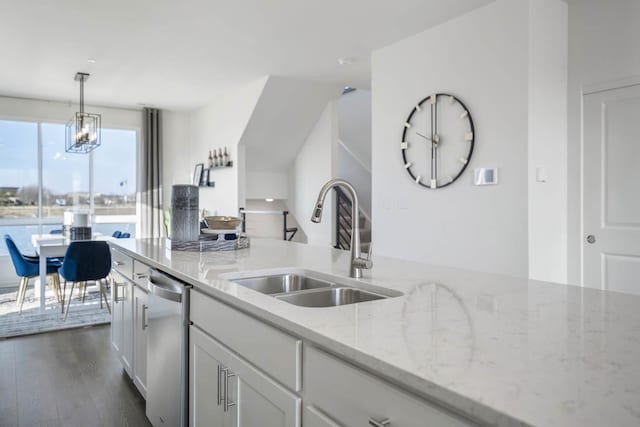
(357, 262)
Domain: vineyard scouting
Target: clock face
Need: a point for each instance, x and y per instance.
(437, 141)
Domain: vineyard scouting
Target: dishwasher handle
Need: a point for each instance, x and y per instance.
(164, 287)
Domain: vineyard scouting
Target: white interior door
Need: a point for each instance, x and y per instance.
(611, 190)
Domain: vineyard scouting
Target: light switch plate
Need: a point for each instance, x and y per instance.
(485, 176)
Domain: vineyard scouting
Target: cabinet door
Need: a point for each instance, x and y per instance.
(353, 397)
(117, 311)
(251, 397)
(205, 385)
(125, 294)
(314, 418)
(261, 401)
(140, 341)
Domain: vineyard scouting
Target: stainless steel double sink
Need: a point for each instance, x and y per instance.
(309, 289)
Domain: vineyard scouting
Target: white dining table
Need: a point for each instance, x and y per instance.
(51, 245)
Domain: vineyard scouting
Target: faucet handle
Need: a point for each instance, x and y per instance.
(362, 262)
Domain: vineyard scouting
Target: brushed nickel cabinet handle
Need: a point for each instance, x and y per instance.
(118, 263)
(145, 325)
(140, 275)
(227, 402)
(384, 423)
(219, 385)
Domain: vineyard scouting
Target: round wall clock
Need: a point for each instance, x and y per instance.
(437, 141)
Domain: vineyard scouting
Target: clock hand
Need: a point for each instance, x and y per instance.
(424, 136)
(435, 140)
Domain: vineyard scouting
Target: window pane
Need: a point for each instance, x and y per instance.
(18, 169)
(114, 173)
(65, 176)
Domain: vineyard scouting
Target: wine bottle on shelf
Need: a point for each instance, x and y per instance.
(210, 160)
(226, 156)
(215, 159)
(222, 162)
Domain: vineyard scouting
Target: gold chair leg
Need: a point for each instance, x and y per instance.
(20, 291)
(64, 292)
(24, 292)
(56, 284)
(69, 303)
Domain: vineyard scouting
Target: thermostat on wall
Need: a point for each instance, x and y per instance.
(485, 176)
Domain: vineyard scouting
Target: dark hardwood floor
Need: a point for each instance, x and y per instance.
(68, 378)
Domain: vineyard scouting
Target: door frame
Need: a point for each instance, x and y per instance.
(590, 89)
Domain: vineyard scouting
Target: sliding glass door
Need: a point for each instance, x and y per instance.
(39, 180)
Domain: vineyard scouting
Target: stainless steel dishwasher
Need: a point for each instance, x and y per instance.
(167, 351)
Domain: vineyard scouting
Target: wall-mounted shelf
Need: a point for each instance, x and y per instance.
(228, 165)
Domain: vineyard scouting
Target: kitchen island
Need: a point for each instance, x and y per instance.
(490, 349)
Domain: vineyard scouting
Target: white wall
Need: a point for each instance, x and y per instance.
(219, 124)
(347, 166)
(271, 226)
(354, 123)
(353, 155)
(176, 146)
(547, 147)
(267, 185)
(482, 57)
(603, 47)
(311, 168)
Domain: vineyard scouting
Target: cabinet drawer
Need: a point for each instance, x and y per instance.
(266, 347)
(353, 397)
(140, 274)
(122, 263)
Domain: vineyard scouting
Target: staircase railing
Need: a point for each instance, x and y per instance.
(284, 213)
(343, 220)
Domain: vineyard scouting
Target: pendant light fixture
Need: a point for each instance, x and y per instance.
(83, 130)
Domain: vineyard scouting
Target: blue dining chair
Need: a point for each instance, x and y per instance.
(117, 234)
(125, 235)
(86, 261)
(29, 267)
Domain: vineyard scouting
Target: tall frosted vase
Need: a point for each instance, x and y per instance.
(185, 220)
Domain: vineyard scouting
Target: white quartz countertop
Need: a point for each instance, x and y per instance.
(502, 350)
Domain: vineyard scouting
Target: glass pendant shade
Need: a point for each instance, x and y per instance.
(83, 133)
(83, 130)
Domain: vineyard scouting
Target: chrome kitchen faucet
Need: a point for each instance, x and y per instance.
(357, 261)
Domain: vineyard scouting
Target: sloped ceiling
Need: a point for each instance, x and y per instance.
(281, 121)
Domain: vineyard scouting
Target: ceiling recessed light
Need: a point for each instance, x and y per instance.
(91, 60)
(268, 200)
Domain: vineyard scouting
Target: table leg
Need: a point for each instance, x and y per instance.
(43, 280)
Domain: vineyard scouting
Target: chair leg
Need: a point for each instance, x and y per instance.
(69, 303)
(56, 283)
(24, 292)
(21, 287)
(64, 291)
(84, 290)
(103, 294)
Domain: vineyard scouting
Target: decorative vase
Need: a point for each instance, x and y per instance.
(185, 218)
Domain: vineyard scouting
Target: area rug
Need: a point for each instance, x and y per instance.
(33, 321)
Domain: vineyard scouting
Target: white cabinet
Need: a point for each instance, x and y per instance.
(140, 340)
(314, 418)
(350, 396)
(128, 312)
(225, 390)
(122, 320)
